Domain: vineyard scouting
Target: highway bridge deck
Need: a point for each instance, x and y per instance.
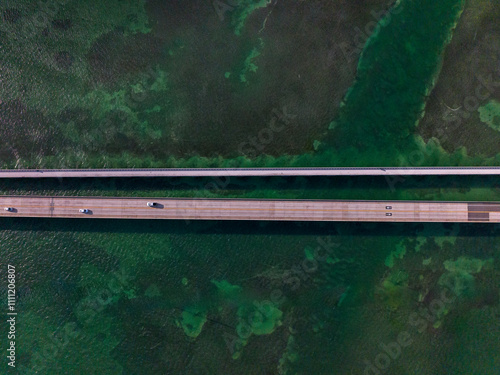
(242, 172)
(250, 209)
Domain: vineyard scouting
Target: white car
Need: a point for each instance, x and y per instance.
(152, 204)
(10, 209)
(84, 210)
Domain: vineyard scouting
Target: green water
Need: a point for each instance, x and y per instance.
(440, 188)
(151, 297)
(155, 297)
(185, 297)
(137, 98)
(397, 70)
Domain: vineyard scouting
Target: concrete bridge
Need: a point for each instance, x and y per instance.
(249, 209)
(243, 172)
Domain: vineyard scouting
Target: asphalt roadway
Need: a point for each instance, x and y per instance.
(249, 209)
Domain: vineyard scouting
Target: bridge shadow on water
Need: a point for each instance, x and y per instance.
(340, 187)
(230, 227)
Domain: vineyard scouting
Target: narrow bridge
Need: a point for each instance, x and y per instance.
(249, 209)
(242, 172)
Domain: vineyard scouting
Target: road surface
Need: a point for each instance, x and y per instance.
(250, 209)
(242, 172)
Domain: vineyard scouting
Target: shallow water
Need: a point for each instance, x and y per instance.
(186, 297)
(116, 294)
(173, 93)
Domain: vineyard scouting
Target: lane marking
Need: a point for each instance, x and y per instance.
(253, 209)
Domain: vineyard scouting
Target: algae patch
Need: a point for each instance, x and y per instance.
(227, 289)
(460, 274)
(260, 323)
(152, 291)
(192, 322)
(490, 114)
(399, 253)
(248, 65)
(244, 9)
(466, 265)
(394, 290)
